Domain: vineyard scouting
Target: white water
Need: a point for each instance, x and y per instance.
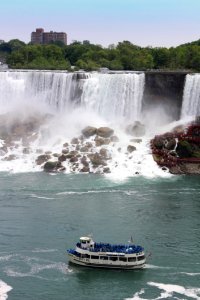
(191, 96)
(4, 289)
(115, 96)
(113, 100)
(169, 291)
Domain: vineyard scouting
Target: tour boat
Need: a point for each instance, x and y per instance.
(104, 255)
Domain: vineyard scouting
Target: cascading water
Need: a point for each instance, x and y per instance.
(191, 96)
(56, 106)
(114, 96)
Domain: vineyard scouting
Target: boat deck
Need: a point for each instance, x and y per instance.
(121, 248)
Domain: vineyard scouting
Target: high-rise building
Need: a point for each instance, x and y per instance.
(41, 37)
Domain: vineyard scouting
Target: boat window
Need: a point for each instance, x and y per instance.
(113, 258)
(85, 256)
(141, 257)
(131, 259)
(123, 259)
(94, 257)
(104, 257)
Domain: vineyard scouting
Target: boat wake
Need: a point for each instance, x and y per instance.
(4, 289)
(168, 291)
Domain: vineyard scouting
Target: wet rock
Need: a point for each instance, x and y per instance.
(170, 144)
(114, 139)
(97, 160)
(73, 159)
(131, 148)
(104, 153)
(75, 141)
(65, 151)
(62, 158)
(89, 145)
(85, 169)
(71, 154)
(105, 132)
(106, 170)
(136, 140)
(84, 161)
(101, 141)
(48, 152)
(42, 158)
(136, 129)
(89, 131)
(159, 142)
(10, 157)
(53, 166)
(56, 154)
(84, 149)
(65, 145)
(39, 151)
(184, 149)
(26, 151)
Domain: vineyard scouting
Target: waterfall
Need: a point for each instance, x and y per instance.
(114, 96)
(191, 96)
(111, 96)
(54, 89)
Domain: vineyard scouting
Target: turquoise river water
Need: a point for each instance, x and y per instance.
(43, 215)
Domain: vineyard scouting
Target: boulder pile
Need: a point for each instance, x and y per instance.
(179, 150)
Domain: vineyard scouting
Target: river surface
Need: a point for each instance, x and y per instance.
(42, 215)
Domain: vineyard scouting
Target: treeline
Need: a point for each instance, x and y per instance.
(87, 56)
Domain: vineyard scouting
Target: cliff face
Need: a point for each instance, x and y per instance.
(166, 89)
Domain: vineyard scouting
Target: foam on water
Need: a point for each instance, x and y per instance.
(168, 291)
(4, 289)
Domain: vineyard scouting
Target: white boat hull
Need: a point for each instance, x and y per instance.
(109, 265)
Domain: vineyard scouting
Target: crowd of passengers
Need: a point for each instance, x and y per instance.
(103, 247)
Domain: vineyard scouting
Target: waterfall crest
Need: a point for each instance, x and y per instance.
(191, 96)
(111, 96)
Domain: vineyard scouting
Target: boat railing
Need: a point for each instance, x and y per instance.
(105, 247)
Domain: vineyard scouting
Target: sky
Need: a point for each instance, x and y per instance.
(163, 23)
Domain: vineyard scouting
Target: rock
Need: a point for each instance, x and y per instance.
(53, 166)
(89, 145)
(131, 148)
(26, 150)
(104, 153)
(10, 157)
(136, 140)
(71, 154)
(97, 160)
(56, 154)
(42, 158)
(164, 168)
(48, 152)
(170, 144)
(75, 141)
(114, 139)
(85, 169)
(84, 149)
(65, 151)
(73, 159)
(184, 149)
(62, 158)
(106, 170)
(84, 161)
(65, 145)
(105, 132)
(89, 131)
(39, 151)
(159, 142)
(101, 141)
(136, 129)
